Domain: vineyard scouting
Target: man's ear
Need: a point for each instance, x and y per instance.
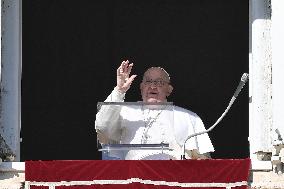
(170, 90)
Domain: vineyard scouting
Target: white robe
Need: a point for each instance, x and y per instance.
(129, 125)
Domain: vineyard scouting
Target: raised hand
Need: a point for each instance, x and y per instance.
(122, 76)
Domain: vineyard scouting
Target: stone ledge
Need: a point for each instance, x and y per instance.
(12, 175)
(12, 167)
(261, 165)
(267, 180)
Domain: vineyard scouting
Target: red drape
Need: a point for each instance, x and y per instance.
(167, 171)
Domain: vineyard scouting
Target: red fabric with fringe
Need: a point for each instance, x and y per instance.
(137, 174)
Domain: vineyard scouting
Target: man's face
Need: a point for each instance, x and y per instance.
(155, 86)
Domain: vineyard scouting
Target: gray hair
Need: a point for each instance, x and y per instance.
(162, 70)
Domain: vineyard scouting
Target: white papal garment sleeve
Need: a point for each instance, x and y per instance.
(201, 142)
(107, 118)
(186, 123)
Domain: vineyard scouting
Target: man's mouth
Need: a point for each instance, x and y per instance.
(152, 93)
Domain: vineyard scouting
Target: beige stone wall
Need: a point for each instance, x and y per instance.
(267, 180)
(12, 175)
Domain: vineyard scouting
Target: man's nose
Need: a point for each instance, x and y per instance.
(153, 85)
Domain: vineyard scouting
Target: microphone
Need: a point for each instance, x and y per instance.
(243, 81)
(241, 84)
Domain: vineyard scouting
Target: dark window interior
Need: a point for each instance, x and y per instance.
(71, 50)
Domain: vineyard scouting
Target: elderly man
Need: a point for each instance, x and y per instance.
(155, 88)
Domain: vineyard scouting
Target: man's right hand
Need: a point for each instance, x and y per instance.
(122, 75)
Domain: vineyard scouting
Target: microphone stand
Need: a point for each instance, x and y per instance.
(238, 90)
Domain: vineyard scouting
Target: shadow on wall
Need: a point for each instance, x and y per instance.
(6, 153)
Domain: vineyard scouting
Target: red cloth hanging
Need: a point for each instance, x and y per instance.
(137, 174)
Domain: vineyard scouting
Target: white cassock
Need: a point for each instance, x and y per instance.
(138, 125)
